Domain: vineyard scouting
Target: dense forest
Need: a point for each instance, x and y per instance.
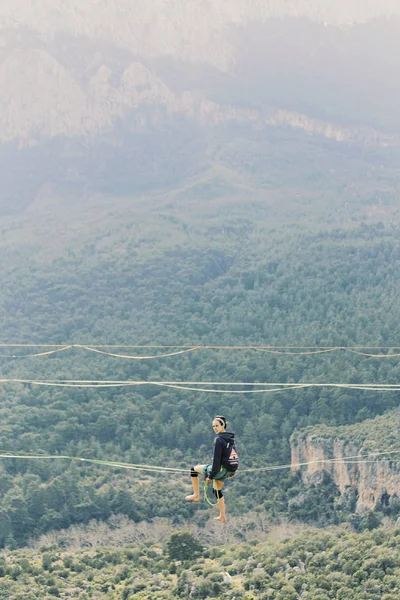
(310, 262)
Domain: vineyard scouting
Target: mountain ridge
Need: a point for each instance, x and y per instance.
(82, 65)
(70, 109)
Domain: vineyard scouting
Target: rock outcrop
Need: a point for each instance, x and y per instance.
(350, 460)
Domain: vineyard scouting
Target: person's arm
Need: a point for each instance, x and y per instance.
(217, 458)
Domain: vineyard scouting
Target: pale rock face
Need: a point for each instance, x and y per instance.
(370, 479)
(332, 131)
(139, 86)
(40, 96)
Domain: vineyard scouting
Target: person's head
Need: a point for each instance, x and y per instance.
(219, 424)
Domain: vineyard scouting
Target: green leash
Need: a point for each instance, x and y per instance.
(206, 498)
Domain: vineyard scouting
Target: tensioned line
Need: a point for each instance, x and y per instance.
(198, 386)
(196, 345)
(358, 458)
(183, 349)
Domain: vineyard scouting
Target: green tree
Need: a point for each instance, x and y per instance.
(183, 546)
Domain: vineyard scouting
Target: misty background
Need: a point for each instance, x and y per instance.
(124, 97)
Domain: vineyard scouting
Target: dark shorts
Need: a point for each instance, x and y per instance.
(220, 476)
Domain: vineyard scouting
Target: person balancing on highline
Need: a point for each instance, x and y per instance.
(225, 464)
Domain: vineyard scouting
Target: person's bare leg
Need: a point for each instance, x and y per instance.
(221, 503)
(195, 497)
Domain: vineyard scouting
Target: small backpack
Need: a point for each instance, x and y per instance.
(232, 462)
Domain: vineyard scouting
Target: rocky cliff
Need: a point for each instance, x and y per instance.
(365, 456)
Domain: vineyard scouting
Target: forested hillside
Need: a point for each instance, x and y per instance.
(301, 250)
(319, 565)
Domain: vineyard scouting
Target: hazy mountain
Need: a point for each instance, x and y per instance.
(86, 78)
